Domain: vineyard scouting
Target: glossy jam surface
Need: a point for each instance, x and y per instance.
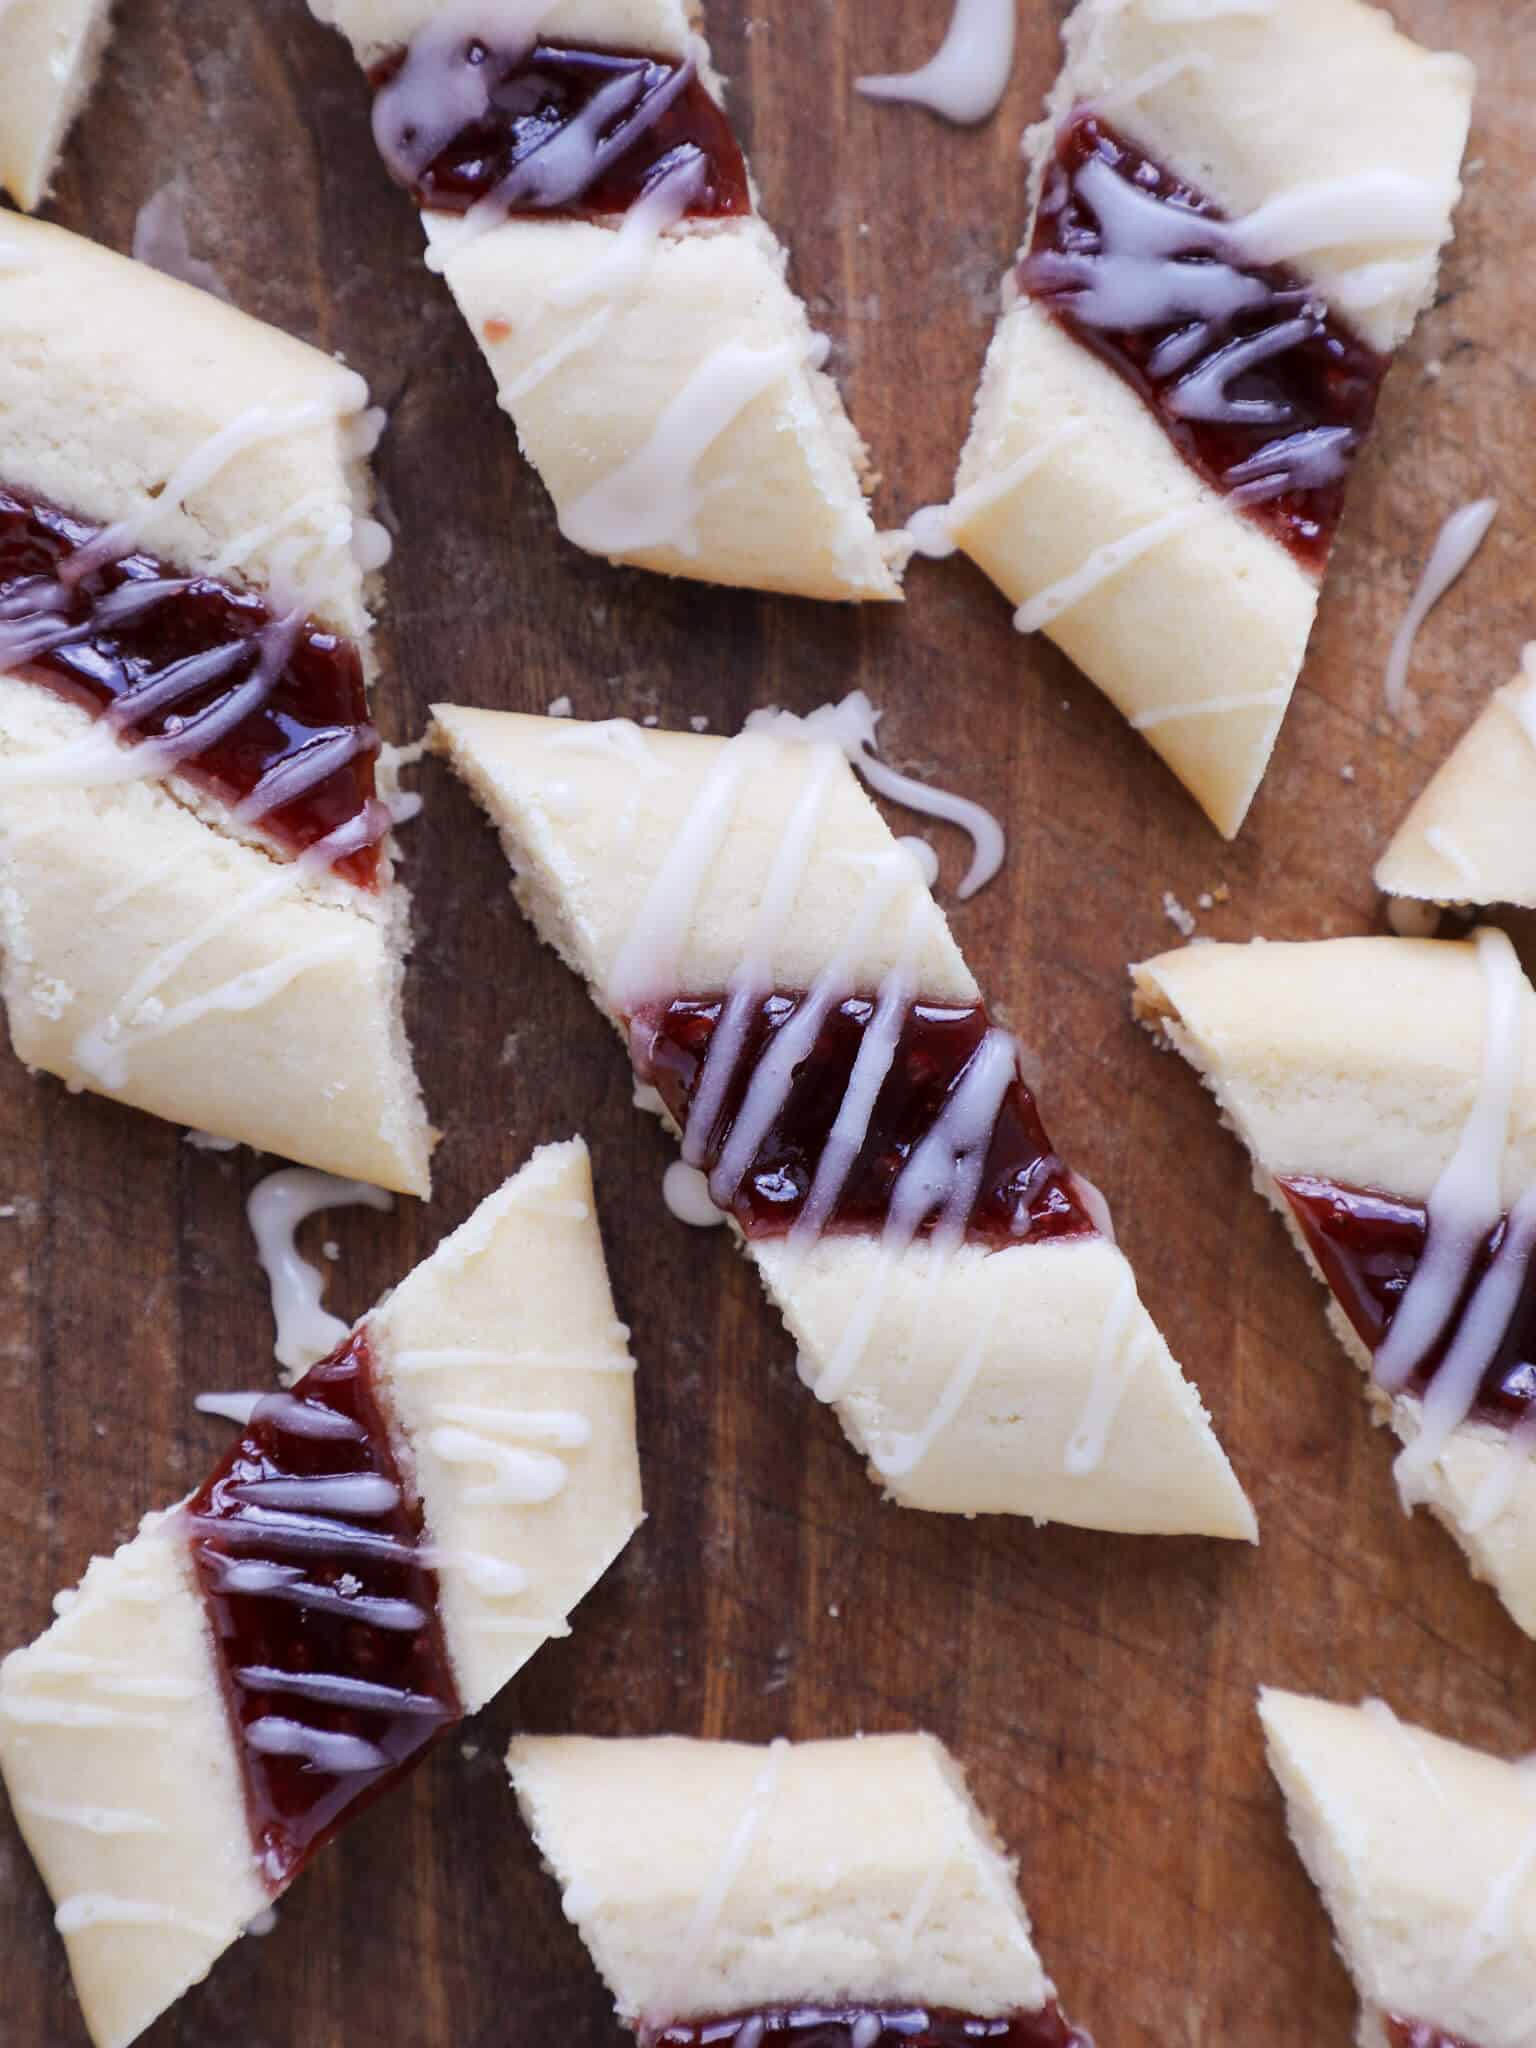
(811, 2026)
(1290, 419)
(659, 123)
(325, 1616)
(1369, 1246)
(100, 661)
(1415, 2034)
(1025, 1191)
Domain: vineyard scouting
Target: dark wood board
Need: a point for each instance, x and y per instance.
(1099, 1689)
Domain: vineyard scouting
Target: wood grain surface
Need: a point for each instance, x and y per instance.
(1099, 1689)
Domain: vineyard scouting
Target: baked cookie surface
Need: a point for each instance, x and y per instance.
(383, 1548)
(1386, 1090)
(791, 995)
(199, 911)
(852, 1881)
(50, 51)
(1236, 216)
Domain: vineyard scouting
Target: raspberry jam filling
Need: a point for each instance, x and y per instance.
(928, 1139)
(267, 713)
(552, 130)
(1369, 1246)
(1265, 394)
(308, 1550)
(813, 2026)
(1415, 2034)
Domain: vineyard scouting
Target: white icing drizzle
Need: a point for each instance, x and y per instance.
(774, 1072)
(649, 959)
(686, 1191)
(93, 1820)
(275, 1735)
(1414, 1746)
(336, 1493)
(449, 1358)
(654, 499)
(1452, 1392)
(229, 1407)
(1464, 1205)
(33, 1710)
(898, 1456)
(140, 1016)
(932, 529)
(1113, 1371)
(286, 1582)
(1209, 707)
(1208, 10)
(560, 1428)
(1458, 541)
(1096, 1203)
(1454, 854)
(704, 1921)
(1493, 1929)
(520, 1478)
(437, 93)
(160, 240)
(969, 74)
(306, 1332)
(850, 725)
(86, 1910)
(1107, 562)
(497, 1578)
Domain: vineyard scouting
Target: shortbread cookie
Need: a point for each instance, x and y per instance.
(791, 996)
(846, 1894)
(1471, 837)
(383, 1549)
(1386, 1089)
(1236, 216)
(589, 206)
(197, 901)
(1425, 1854)
(49, 54)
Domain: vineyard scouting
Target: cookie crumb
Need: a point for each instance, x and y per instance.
(560, 708)
(1182, 920)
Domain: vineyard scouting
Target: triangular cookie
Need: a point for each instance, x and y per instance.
(939, 1267)
(1386, 1089)
(384, 1548)
(49, 54)
(604, 244)
(1236, 216)
(805, 1892)
(1471, 837)
(1425, 1854)
(197, 901)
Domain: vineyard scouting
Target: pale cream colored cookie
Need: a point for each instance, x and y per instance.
(1471, 837)
(739, 1879)
(1425, 1854)
(50, 51)
(1196, 620)
(1026, 1380)
(509, 1388)
(158, 949)
(662, 376)
(1363, 1062)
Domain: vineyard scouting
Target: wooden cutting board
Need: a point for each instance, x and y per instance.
(1099, 1689)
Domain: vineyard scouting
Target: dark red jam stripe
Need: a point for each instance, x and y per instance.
(1308, 405)
(813, 2026)
(1026, 1193)
(656, 121)
(116, 637)
(307, 1548)
(1369, 1246)
(1415, 2034)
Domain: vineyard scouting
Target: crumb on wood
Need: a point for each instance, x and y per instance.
(558, 707)
(1182, 919)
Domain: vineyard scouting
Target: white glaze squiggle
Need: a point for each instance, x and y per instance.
(306, 1332)
(1456, 544)
(653, 499)
(969, 74)
(704, 1921)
